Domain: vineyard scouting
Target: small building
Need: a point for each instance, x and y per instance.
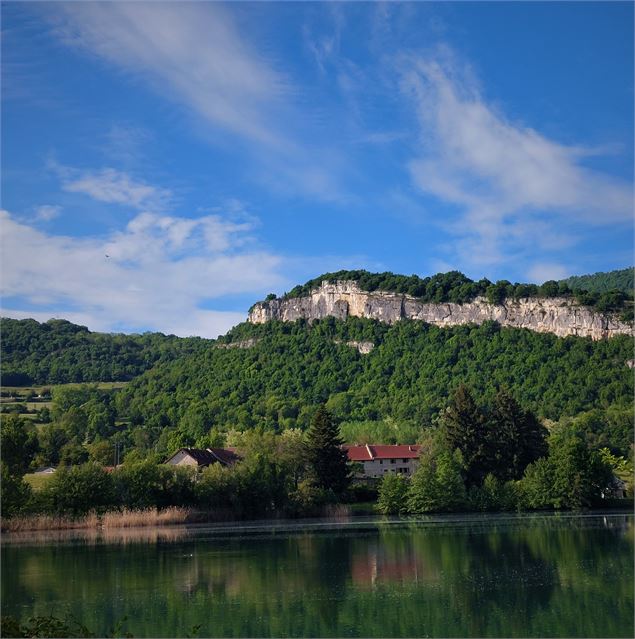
(377, 460)
(45, 470)
(203, 457)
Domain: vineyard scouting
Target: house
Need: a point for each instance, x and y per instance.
(377, 460)
(203, 457)
(45, 470)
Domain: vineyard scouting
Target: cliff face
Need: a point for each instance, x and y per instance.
(344, 299)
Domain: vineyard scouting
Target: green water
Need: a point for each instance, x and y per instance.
(496, 576)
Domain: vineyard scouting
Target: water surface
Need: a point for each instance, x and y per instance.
(453, 576)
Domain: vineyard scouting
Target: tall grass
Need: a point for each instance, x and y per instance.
(114, 519)
(151, 517)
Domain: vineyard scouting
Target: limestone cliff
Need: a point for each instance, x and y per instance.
(344, 299)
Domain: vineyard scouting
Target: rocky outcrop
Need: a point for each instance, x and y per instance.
(245, 343)
(363, 347)
(343, 299)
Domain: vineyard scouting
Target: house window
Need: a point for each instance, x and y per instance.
(405, 461)
(393, 461)
(381, 461)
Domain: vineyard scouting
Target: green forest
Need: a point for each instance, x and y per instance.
(392, 394)
(59, 352)
(622, 280)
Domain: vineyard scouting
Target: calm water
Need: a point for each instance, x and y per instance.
(500, 576)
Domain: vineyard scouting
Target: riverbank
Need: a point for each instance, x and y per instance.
(180, 516)
(154, 517)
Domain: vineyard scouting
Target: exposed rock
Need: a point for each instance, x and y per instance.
(630, 363)
(245, 343)
(343, 299)
(363, 347)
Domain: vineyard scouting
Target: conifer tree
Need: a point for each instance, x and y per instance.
(466, 428)
(517, 438)
(326, 460)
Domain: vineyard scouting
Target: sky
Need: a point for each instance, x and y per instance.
(165, 165)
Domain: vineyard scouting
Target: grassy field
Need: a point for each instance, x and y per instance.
(37, 481)
(23, 391)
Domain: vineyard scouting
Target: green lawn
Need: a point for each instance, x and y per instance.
(37, 481)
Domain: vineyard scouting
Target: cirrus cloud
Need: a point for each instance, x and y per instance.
(516, 190)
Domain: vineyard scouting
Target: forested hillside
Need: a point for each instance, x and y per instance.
(58, 352)
(603, 282)
(407, 377)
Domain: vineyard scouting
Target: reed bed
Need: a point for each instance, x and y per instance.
(49, 522)
(114, 519)
(151, 517)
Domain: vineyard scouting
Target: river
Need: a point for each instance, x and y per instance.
(562, 575)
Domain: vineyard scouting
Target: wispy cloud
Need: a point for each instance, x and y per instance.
(541, 272)
(517, 190)
(189, 52)
(113, 186)
(47, 212)
(202, 57)
(160, 272)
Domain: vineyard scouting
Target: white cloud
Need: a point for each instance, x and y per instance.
(115, 187)
(47, 212)
(542, 272)
(190, 52)
(203, 57)
(157, 273)
(517, 190)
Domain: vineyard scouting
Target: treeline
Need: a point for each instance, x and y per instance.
(59, 352)
(500, 458)
(456, 287)
(621, 280)
(293, 473)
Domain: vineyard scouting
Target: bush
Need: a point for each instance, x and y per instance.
(14, 492)
(393, 494)
(437, 485)
(80, 489)
(493, 495)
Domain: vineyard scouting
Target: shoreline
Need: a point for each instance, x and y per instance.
(176, 523)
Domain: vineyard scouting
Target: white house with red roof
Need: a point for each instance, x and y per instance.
(377, 460)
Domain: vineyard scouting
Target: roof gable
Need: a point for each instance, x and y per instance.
(369, 452)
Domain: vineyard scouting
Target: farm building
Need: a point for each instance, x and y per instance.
(377, 460)
(203, 457)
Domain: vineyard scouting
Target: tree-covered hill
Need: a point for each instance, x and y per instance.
(57, 352)
(294, 367)
(621, 280)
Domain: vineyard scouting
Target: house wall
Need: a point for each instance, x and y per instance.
(182, 459)
(379, 467)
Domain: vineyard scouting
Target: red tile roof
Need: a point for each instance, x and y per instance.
(375, 451)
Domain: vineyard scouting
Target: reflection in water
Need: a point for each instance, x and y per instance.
(545, 576)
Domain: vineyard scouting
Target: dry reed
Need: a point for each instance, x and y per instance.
(151, 517)
(113, 519)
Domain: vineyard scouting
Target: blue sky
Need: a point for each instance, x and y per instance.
(166, 165)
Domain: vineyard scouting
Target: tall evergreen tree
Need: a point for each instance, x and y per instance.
(326, 460)
(465, 427)
(517, 438)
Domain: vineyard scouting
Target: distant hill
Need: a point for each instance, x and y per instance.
(621, 280)
(58, 352)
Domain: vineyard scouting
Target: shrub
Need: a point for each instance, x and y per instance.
(393, 494)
